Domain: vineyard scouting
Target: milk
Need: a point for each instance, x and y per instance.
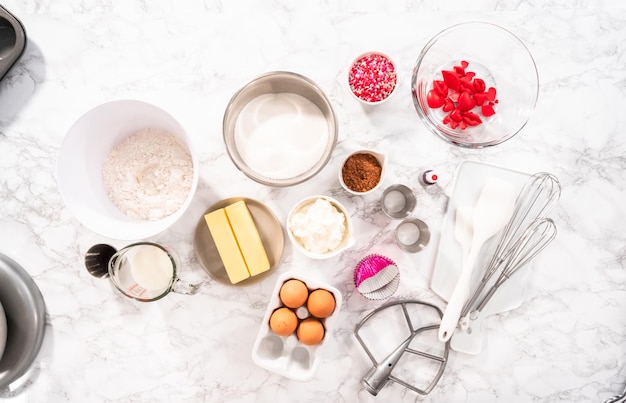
(151, 267)
(281, 135)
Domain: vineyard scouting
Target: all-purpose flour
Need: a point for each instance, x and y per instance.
(281, 135)
(149, 175)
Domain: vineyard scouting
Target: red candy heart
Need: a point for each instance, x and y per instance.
(434, 100)
(450, 78)
(479, 85)
(487, 110)
(441, 88)
(456, 115)
(466, 85)
(448, 105)
(471, 119)
(480, 98)
(466, 101)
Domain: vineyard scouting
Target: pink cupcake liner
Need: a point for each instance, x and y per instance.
(376, 277)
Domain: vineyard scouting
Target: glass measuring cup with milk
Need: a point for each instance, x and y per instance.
(146, 271)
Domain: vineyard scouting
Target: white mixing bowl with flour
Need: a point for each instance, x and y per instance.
(127, 138)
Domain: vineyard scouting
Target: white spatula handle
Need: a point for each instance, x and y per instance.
(458, 298)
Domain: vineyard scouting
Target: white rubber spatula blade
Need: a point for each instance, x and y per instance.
(463, 229)
(493, 210)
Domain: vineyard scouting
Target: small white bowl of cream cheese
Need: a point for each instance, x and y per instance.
(320, 227)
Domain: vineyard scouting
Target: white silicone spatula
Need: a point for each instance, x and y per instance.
(463, 229)
(493, 210)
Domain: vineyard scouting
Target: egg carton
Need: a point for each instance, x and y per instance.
(286, 355)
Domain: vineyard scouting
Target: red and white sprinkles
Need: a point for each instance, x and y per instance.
(372, 77)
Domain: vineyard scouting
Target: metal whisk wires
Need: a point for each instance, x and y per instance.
(538, 235)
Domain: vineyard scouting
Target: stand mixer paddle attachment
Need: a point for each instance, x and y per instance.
(400, 338)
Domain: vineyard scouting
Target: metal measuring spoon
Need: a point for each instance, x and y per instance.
(97, 259)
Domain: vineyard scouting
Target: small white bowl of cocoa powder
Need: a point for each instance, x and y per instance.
(127, 170)
(362, 172)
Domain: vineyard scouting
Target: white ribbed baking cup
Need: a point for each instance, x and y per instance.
(384, 292)
(379, 280)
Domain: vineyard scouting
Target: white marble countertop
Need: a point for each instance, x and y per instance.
(567, 342)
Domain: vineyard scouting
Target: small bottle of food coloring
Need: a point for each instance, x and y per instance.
(429, 177)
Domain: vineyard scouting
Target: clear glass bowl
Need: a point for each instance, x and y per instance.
(499, 58)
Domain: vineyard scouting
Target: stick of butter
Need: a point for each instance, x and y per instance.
(227, 245)
(238, 242)
(248, 238)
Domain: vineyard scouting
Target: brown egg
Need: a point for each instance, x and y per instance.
(321, 303)
(310, 331)
(283, 321)
(294, 293)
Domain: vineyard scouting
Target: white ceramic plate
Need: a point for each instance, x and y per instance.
(269, 228)
(470, 179)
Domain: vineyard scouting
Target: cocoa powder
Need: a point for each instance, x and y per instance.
(361, 172)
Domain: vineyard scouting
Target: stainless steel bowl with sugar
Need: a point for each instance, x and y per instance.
(280, 129)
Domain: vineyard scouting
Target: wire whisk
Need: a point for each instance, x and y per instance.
(538, 196)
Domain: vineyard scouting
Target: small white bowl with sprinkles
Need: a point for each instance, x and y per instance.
(127, 170)
(372, 78)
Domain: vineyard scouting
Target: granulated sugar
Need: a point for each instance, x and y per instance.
(149, 175)
(282, 135)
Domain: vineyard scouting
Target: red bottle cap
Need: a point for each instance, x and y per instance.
(430, 177)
